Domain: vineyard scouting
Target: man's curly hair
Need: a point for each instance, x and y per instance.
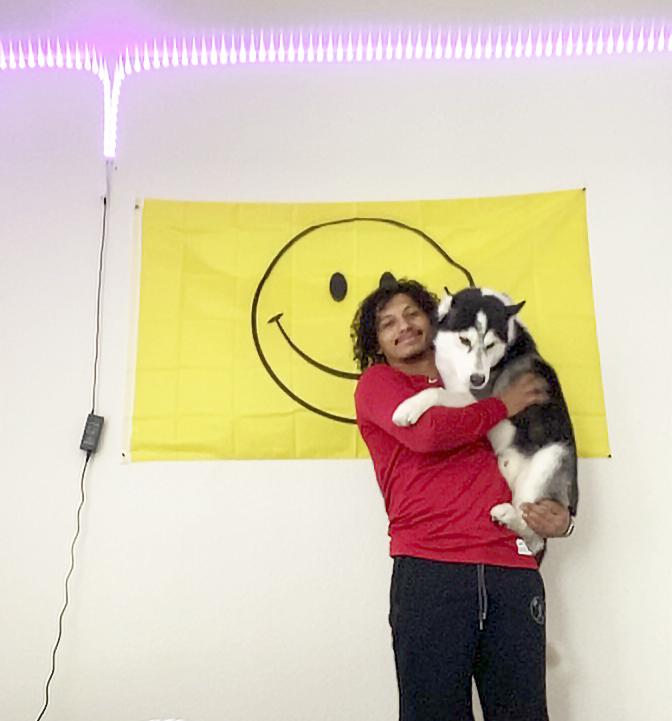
(364, 330)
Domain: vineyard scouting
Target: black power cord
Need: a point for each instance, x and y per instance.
(98, 297)
(89, 443)
(67, 596)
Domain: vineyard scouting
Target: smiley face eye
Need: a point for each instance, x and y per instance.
(338, 287)
(465, 342)
(387, 280)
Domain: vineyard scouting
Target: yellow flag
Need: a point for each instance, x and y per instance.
(243, 347)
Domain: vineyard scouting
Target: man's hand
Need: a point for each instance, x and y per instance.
(523, 392)
(549, 519)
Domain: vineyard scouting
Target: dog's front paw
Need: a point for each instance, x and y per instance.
(503, 513)
(407, 413)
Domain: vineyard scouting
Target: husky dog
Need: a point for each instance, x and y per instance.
(481, 347)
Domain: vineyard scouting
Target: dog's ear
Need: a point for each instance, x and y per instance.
(444, 305)
(512, 310)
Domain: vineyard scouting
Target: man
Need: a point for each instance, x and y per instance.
(466, 598)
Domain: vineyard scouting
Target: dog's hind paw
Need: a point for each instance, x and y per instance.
(534, 543)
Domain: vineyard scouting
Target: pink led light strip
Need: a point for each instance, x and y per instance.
(48, 54)
(321, 47)
(332, 47)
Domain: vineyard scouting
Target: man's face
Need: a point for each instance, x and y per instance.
(404, 330)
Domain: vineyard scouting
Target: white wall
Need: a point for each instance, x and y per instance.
(258, 590)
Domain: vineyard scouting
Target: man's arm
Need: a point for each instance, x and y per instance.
(381, 389)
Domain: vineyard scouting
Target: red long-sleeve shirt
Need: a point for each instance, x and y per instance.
(439, 478)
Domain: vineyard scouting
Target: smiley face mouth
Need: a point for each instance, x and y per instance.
(327, 369)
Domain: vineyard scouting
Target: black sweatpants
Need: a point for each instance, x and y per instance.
(452, 622)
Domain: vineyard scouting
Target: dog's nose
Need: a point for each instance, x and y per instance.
(476, 380)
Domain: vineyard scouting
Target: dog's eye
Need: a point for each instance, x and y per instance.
(465, 342)
(338, 286)
(490, 346)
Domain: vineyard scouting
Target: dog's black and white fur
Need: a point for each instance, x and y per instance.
(481, 347)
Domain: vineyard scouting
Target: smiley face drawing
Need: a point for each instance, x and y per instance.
(304, 303)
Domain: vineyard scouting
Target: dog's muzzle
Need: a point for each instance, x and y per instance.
(477, 380)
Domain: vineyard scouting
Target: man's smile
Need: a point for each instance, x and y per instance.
(408, 337)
